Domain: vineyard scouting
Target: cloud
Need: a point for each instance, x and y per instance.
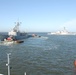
(70, 25)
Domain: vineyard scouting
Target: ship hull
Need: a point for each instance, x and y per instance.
(61, 33)
(2, 37)
(20, 37)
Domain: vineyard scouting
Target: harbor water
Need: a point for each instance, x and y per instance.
(46, 55)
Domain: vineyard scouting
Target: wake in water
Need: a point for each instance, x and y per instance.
(41, 37)
(44, 37)
(6, 43)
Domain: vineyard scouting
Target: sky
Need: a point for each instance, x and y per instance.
(38, 15)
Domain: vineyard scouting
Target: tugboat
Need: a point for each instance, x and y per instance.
(11, 39)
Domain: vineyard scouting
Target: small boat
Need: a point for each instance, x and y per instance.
(34, 35)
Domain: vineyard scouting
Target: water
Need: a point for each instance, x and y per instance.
(48, 55)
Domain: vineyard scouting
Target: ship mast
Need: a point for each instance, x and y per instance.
(16, 28)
